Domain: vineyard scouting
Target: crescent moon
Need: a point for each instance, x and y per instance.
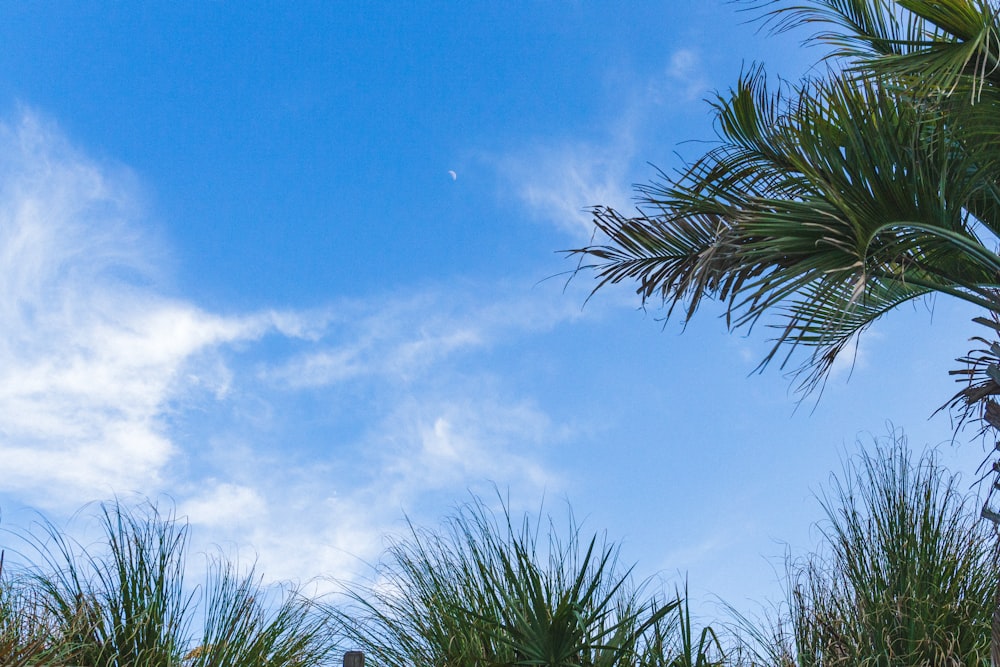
(453, 175)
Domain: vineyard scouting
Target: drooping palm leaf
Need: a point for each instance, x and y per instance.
(830, 203)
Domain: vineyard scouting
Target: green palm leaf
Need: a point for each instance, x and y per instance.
(831, 202)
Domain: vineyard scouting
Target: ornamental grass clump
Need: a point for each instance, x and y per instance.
(906, 575)
(124, 602)
(246, 625)
(26, 633)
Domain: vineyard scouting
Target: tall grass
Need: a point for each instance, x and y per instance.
(26, 634)
(484, 591)
(906, 575)
(248, 624)
(125, 603)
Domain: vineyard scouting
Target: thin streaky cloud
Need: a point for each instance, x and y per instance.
(98, 367)
(403, 338)
(685, 78)
(558, 182)
(92, 357)
(330, 517)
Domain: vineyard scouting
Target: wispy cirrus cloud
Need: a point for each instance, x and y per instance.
(684, 79)
(90, 354)
(331, 516)
(401, 339)
(98, 366)
(558, 181)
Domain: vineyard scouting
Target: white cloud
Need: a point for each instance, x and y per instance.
(90, 354)
(97, 366)
(559, 181)
(429, 453)
(225, 504)
(685, 78)
(403, 338)
(469, 440)
(432, 438)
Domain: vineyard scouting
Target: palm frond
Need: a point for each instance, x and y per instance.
(855, 28)
(829, 203)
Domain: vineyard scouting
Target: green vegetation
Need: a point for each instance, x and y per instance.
(128, 605)
(832, 202)
(829, 202)
(905, 575)
(26, 634)
(484, 592)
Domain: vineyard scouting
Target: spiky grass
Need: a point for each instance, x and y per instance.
(483, 591)
(122, 605)
(248, 624)
(27, 636)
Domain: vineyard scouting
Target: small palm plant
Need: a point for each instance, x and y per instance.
(482, 592)
(906, 577)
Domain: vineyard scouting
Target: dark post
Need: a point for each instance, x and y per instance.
(354, 659)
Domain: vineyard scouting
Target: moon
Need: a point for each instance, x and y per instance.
(453, 175)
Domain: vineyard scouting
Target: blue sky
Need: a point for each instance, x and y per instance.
(238, 274)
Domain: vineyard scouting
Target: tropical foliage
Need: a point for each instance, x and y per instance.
(126, 604)
(906, 574)
(484, 591)
(829, 202)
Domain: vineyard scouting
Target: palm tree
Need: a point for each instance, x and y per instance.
(830, 202)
